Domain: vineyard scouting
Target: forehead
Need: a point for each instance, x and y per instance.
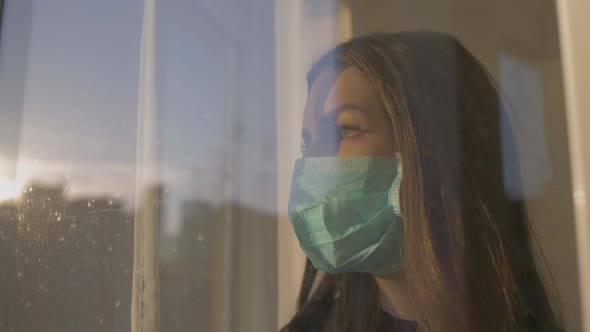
(333, 88)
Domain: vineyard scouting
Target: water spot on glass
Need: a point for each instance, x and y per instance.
(100, 320)
(117, 303)
(59, 218)
(72, 225)
(110, 248)
(28, 228)
(61, 239)
(19, 274)
(21, 217)
(28, 303)
(89, 203)
(30, 188)
(200, 237)
(110, 201)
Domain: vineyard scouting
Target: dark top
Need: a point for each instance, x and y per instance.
(391, 324)
(315, 322)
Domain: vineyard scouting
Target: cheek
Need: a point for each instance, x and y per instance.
(367, 145)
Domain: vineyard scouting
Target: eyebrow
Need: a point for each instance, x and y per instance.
(348, 107)
(334, 112)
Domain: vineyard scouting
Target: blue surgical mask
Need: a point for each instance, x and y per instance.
(346, 213)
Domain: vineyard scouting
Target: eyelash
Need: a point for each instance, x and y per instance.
(353, 128)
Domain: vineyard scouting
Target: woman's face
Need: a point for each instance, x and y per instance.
(350, 121)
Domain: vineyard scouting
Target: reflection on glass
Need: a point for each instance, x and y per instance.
(74, 178)
(67, 165)
(229, 90)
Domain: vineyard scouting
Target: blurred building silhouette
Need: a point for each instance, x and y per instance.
(186, 279)
(191, 280)
(66, 265)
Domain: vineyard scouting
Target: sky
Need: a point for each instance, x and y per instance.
(78, 119)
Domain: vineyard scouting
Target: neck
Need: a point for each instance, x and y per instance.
(392, 293)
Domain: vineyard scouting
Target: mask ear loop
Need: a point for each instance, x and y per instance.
(394, 193)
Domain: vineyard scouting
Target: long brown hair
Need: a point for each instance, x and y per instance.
(469, 258)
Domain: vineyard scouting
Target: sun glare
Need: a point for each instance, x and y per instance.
(8, 189)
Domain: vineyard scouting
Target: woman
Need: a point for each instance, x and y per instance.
(400, 200)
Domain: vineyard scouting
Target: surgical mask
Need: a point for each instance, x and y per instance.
(346, 213)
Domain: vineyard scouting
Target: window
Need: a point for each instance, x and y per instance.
(147, 150)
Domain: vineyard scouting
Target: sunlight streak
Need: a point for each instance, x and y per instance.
(8, 189)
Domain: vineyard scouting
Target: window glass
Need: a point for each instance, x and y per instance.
(174, 166)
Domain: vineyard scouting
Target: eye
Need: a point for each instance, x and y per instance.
(345, 132)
